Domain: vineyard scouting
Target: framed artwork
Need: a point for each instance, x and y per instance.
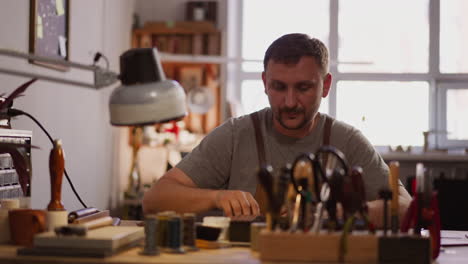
(49, 31)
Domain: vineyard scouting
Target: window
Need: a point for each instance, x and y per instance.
(453, 36)
(452, 101)
(457, 114)
(278, 18)
(253, 96)
(393, 70)
(388, 113)
(377, 41)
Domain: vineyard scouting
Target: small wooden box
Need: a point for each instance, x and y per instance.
(284, 246)
(405, 249)
(361, 248)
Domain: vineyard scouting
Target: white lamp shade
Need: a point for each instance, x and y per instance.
(145, 96)
(148, 103)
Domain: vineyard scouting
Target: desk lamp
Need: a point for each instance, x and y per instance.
(144, 97)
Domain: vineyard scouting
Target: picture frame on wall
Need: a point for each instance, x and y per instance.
(49, 31)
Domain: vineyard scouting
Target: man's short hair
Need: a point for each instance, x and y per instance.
(290, 48)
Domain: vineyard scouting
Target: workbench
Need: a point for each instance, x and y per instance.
(234, 255)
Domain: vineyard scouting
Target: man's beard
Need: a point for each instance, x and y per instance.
(298, 111)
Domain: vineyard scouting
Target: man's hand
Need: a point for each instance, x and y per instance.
(237, 204)
(376, 211)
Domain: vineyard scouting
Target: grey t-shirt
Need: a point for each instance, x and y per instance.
(227, 157)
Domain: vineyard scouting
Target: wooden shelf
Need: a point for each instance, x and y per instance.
(190, 54)
(179, 27)
(444, 157)
(184, 37)
(169, 57)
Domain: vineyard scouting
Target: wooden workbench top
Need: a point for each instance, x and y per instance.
(234, 255)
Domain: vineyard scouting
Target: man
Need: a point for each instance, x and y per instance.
(221, 172)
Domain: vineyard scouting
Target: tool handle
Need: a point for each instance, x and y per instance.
(394, 186)
(56, 168)
(100, 222)
(91, 217)
(72, 216)
(434, 228)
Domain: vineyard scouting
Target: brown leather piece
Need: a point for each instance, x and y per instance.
(326, 136)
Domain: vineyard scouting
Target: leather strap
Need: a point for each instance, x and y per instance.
(326, 136)
(258, 139)
(327, 130)
(260, 194)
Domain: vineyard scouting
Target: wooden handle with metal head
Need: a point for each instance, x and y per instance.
(56, 168)
(394, 186)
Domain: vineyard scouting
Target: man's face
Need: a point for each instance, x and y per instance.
(295, 92)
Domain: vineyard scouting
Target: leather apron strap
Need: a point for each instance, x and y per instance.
(327, 130)
(326, 135)
(260, 194)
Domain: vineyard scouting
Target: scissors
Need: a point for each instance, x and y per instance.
(324, 166)
(310, 187)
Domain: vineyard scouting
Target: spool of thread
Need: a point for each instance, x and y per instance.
(189, 232)
(161, 238)
(175, 228)
(151, 230)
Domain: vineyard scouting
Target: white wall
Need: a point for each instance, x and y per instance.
(79, 116)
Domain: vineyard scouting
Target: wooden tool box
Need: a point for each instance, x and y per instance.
(275, 246)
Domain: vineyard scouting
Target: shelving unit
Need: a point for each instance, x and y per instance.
(184, 37)
(190, 54)
(169, 57)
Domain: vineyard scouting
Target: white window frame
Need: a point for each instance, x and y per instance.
(436, 80)
(442, 137)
